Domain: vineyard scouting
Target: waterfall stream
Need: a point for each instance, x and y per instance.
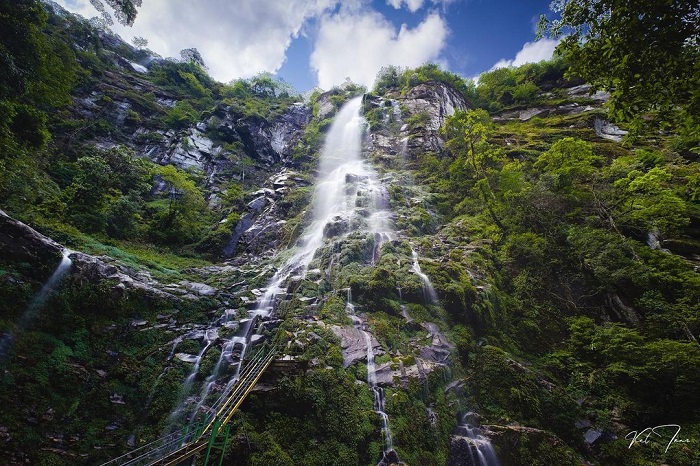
(430, 295)
(481, 451)
(378, 392)
(348, 196)
(37, 302)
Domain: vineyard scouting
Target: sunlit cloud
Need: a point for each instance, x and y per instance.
(236, 39)
(357, 45)
(532, 52)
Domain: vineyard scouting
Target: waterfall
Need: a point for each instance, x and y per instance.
(481, 451)
(350, 311)
(347, 196)
(429, 293)
(378, 392)
(37, 302)
(198, 361)
(653, 241)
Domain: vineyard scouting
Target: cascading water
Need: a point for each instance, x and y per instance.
(431, 296)
(347, 197)
(389, 454)
(38, 301)
(350, 311)
(195, 368)
(481, 452)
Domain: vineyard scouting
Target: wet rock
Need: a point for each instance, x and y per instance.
(200, 289)
(464, 451)
(607, 130)
(390, 458)
(354, 345)
(188, 358)
(243, 225)
(96, 269)
(337, 226)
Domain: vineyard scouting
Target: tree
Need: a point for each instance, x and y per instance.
(181, 219)
(124, 10)
(644, 52)
(568, 162)
(139, 42)
(467, 136)
(36, 74)
(646, 201)
(192, 56)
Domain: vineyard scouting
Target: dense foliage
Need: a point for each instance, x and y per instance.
(396, 78)
(577, 282)
(645, 52)
(565, 264)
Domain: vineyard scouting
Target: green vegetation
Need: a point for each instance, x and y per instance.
(644, 53)
(395, 78)
(565, 264)
(525, 85)
(567, 223)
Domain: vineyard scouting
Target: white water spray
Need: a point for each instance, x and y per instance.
(379, 400)
(429, 293)
(348, 197)
(481, 451)
(37, 302)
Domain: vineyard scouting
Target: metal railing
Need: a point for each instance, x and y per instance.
(178, 446)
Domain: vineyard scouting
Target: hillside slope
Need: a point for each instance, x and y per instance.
(498, 256)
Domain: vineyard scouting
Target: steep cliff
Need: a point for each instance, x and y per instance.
(444, 283)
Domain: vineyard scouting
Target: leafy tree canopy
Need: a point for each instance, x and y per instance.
(124, 10)
(645, 52)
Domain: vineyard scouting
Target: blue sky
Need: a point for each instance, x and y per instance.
(322, 42)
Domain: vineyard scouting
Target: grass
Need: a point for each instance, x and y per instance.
(162, 263)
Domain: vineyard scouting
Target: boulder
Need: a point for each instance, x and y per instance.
(607, 130)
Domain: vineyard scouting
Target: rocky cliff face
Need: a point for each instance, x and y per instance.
(409, 124)
(267, 142)
(410, 301)
(434, 102)
(260, 229)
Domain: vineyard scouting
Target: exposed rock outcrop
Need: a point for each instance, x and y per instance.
(607, 130)
(96, 269)
(509, 439)
(410, 124)
(259, 229)
(437, 101)
(21, 243)
(354, 345)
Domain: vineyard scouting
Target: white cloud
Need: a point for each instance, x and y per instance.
(414, 5)
(532, 52)
(236, 38)
(358, 44)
